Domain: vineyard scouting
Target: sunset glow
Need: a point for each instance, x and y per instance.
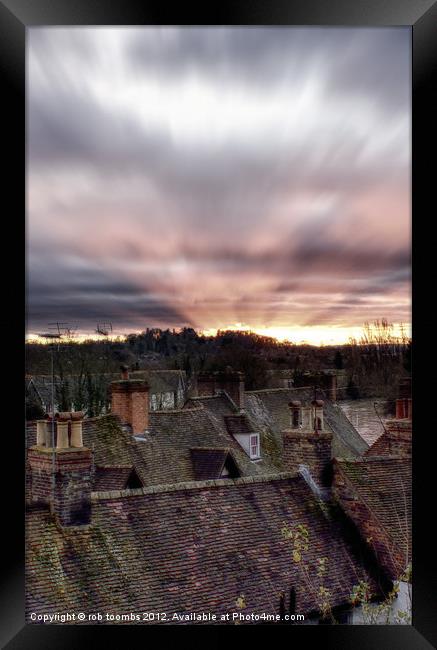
(219, 178)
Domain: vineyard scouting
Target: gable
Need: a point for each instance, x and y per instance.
(213, 463)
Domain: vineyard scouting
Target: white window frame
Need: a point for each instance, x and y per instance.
(251, 454)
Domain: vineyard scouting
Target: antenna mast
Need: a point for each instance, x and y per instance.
(55, 334)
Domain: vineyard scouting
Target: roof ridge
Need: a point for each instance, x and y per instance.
(192, 485)
(370, 458)
(196, 409)
(211, 448)
(98, 466)
(199, 397)
(277, 390)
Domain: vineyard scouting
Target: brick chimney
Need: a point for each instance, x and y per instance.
(403, 403)
(205, 384)
(229, 380)
(232, 381)
(307, 443)
(60, 476)
(130, 401)
(404, 408)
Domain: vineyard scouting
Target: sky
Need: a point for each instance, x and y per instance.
(250, 178)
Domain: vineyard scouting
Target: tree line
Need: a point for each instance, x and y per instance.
(372, 364)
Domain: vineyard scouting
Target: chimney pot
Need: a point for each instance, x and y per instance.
(41, 433)
(62, 435)
(76, 433)
(124, 372)
(64, 416)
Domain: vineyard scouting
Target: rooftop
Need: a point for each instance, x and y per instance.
(190, 547)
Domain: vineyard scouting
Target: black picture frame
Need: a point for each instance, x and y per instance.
(421, 15)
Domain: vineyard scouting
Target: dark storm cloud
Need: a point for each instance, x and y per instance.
(86, 303)
(357, 60)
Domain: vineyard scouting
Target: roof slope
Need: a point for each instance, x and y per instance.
(376, 493)
(229, 420)
(162, 455)
(189, 548)
(112, 478)
(270, 409)
(176, 432)
(208, 463)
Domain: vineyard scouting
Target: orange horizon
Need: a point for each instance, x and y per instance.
(317, 336)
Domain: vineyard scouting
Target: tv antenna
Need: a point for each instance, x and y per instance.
(57, 332)
(104, 329)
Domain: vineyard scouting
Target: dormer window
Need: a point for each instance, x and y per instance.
(254, 446)
(241, 429)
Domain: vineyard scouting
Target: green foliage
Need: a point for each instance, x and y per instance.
(313, 577)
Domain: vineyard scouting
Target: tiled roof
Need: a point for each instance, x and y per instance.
(208, 463)
(396, 439)
(381, 446)
(270, 409)
(238, 424)
(222, 411)
(112, 478)
(162, 455)
(191, 548)
(198, 426)
(376, 493)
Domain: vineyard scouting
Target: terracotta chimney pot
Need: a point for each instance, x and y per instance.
(64, 416)
(76, 439)
(62, 435)
(41, 433)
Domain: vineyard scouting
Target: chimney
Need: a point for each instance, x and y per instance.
(295, 414)
(317, 415)
(42, 439)
(405, 387)
(205, 382)
(404, 403)
(60, 476)
(403, 408)
(229, 380)
(332, 390)
(76, 429)
(130, 401)
(62, 426)
(124, 372)
(308, 444)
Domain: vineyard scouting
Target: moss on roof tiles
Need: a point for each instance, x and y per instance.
(270, 408)
(170, 550)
